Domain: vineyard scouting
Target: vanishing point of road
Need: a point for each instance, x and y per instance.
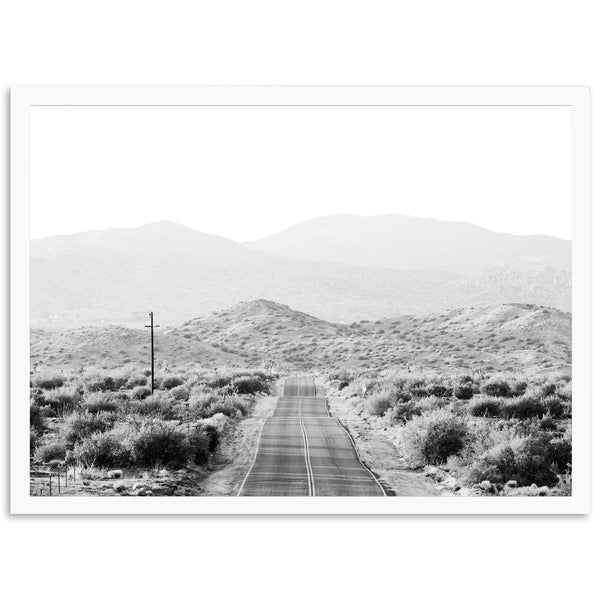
(304, 451)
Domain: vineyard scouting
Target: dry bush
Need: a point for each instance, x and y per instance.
(433, 438)
(379, 403)
(102, 450)
(98, 402)
(140, 392)
(51, 451)
(82, 425)
(159, 443)
(48, 381)
(486, 406)
(496, 387)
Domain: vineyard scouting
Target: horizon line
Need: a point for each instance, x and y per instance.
(246, 241)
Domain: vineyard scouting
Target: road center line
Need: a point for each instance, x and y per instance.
(309, 471)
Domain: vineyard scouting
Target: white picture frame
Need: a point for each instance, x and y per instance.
(25, 97)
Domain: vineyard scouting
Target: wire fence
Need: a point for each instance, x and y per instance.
(53, 481)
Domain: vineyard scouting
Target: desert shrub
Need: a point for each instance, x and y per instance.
(180, 392)
(170, 382)
(419, 391)
(158, 406)
(439, 390)
(51, 451)
(82, 425)
(432, 438)
(136, 380)
(140, 392)
(251, 385)
(199, 402)
(379, 403)
(404, 411)
(228, 407)
(430, 403)
(553, 406)
(102, 449)
(531, 459)
(220, 381)
(33, 440)
(99, 402)
(463, 391)
(36, 420)
(101, 383)
(486, 406)
(548, 388)
(496, 387)
(48, 381)
(159, 443)
(523, 407)
(63, 400)
(203, 440)
(340, 375)
(213, 437)
(518, 388)
(565, 390)
(546, 423)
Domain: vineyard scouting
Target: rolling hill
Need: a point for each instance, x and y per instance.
(516, 337)
(115, 276)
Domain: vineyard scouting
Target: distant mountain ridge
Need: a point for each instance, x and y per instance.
(402, 242)
(116, 276)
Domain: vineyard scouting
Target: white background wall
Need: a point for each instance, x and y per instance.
(308, 42)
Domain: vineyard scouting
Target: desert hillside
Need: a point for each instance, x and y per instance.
(115, 276)
(516, 337)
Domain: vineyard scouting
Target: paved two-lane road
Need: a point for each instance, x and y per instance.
(304, 451)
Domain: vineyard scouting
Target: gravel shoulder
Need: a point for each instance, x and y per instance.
(232, 462)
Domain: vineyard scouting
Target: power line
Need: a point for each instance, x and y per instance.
(152, 327)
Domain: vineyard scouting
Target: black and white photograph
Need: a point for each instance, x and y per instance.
(285, 300)
(301, 299)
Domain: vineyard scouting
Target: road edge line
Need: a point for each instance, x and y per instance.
(359, 459)
(255, 452)
(254, 459)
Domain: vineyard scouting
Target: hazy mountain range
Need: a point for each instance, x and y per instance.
(411, 243)
(340, 268)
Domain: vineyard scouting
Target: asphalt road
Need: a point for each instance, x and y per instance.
(304, 451)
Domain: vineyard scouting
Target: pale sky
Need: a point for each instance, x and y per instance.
(248, 172)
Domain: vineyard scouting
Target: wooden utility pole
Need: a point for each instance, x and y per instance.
(151, 327)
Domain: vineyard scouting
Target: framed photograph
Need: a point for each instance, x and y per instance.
(300, 300)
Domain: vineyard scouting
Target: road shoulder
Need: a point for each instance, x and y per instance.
(381, 456)
(237, 452)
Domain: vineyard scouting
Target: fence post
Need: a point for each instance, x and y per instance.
(58, 478)
(50, 476)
